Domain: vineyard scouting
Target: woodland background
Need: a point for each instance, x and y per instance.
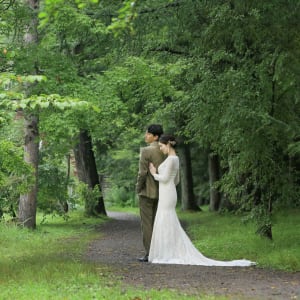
(81, 80)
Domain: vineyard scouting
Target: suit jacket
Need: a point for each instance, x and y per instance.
(146, 185)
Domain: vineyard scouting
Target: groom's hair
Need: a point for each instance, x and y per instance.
(155, 129)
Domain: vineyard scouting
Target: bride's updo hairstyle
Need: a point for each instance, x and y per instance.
(168, 139)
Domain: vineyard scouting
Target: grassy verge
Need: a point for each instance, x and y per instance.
(47, 264)
(226, 237)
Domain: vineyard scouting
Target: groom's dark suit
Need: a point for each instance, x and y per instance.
(147, 189)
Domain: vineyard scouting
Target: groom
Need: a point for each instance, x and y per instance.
(146, 186)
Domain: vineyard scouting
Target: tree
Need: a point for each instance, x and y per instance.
(223, 74)
(27, 203)
(235, 90)
(87, 172)
(188, 201)
(214, 177)
(241, 93)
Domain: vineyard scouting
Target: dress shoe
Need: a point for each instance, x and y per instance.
(144, 258)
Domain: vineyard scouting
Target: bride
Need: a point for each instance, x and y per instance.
(170, 244)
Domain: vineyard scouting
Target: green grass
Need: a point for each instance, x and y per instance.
(226, 237)
(47, 264)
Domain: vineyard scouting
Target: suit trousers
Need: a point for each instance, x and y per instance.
(148, 209)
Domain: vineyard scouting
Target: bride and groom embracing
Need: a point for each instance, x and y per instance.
(164, 239)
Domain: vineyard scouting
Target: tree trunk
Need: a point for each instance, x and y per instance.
(188, 201)
(65, 203)
(214, 175)
(27, 203)
(87, 169)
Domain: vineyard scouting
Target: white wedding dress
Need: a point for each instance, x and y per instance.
(170, 244)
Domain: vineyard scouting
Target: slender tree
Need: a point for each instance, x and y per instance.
(214, 177)
(188, 201)
(28, 202)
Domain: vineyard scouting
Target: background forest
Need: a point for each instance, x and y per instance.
(81, 80)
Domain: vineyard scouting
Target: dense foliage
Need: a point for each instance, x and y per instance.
(223, 75)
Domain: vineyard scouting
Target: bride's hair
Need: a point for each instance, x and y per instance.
(168, 139)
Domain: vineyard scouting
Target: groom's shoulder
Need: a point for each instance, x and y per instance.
(149, 149)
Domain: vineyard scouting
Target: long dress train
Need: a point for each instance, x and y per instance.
(170, 244)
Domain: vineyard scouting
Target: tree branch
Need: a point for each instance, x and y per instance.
(8, 3)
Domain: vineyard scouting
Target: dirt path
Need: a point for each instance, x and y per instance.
(121, 245)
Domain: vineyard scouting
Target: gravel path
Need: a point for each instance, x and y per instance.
(120, 245)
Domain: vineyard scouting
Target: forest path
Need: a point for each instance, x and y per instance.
(120, 245)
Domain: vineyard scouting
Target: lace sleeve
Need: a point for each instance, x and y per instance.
(167, 172)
